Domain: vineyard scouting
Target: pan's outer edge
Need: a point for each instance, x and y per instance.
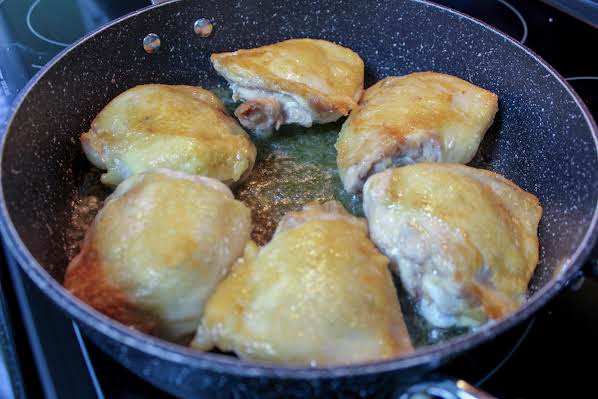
(432, 356)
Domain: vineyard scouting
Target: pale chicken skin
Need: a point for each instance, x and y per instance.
(157, 249)
(420, 117)
(319, 293)
(463, 240)
(183, 128)
(302, 81)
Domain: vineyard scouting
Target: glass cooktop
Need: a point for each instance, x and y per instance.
(42, 353)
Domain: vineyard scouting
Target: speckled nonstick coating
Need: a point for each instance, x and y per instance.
(543, 139)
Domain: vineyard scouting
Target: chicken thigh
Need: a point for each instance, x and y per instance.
(463, 240)
(421, 117)
(183, 128)
(157, 249)
(303, 81)
(318, 293)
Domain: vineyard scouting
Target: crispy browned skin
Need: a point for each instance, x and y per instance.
(86, 280)
(420, 117)
(463, 240)
(324, 78)
(183, 128)
(318, 293)
(157, 249)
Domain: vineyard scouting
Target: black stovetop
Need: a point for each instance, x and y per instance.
(42, 353)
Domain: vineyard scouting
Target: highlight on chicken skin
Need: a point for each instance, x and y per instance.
(463, 240)
(303, 81)
(420, 117)
(183, 128)
(157, 249)
(319, 293)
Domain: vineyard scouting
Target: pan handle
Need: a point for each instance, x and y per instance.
(444, 388)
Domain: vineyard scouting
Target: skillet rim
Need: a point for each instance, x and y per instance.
(431, 356)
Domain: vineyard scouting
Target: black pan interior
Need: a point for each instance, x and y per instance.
(540, 138)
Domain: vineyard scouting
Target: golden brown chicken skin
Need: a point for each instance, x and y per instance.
(303, 81)
(184, 128)
(421, 117)
(463, 240)
(157, 249)
(319, 293)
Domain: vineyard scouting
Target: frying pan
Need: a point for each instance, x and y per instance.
(543, 139)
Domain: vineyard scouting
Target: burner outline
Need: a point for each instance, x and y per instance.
(87, 360)
(581, 78)
(509, 355)
(36, 33)
(520, 16)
